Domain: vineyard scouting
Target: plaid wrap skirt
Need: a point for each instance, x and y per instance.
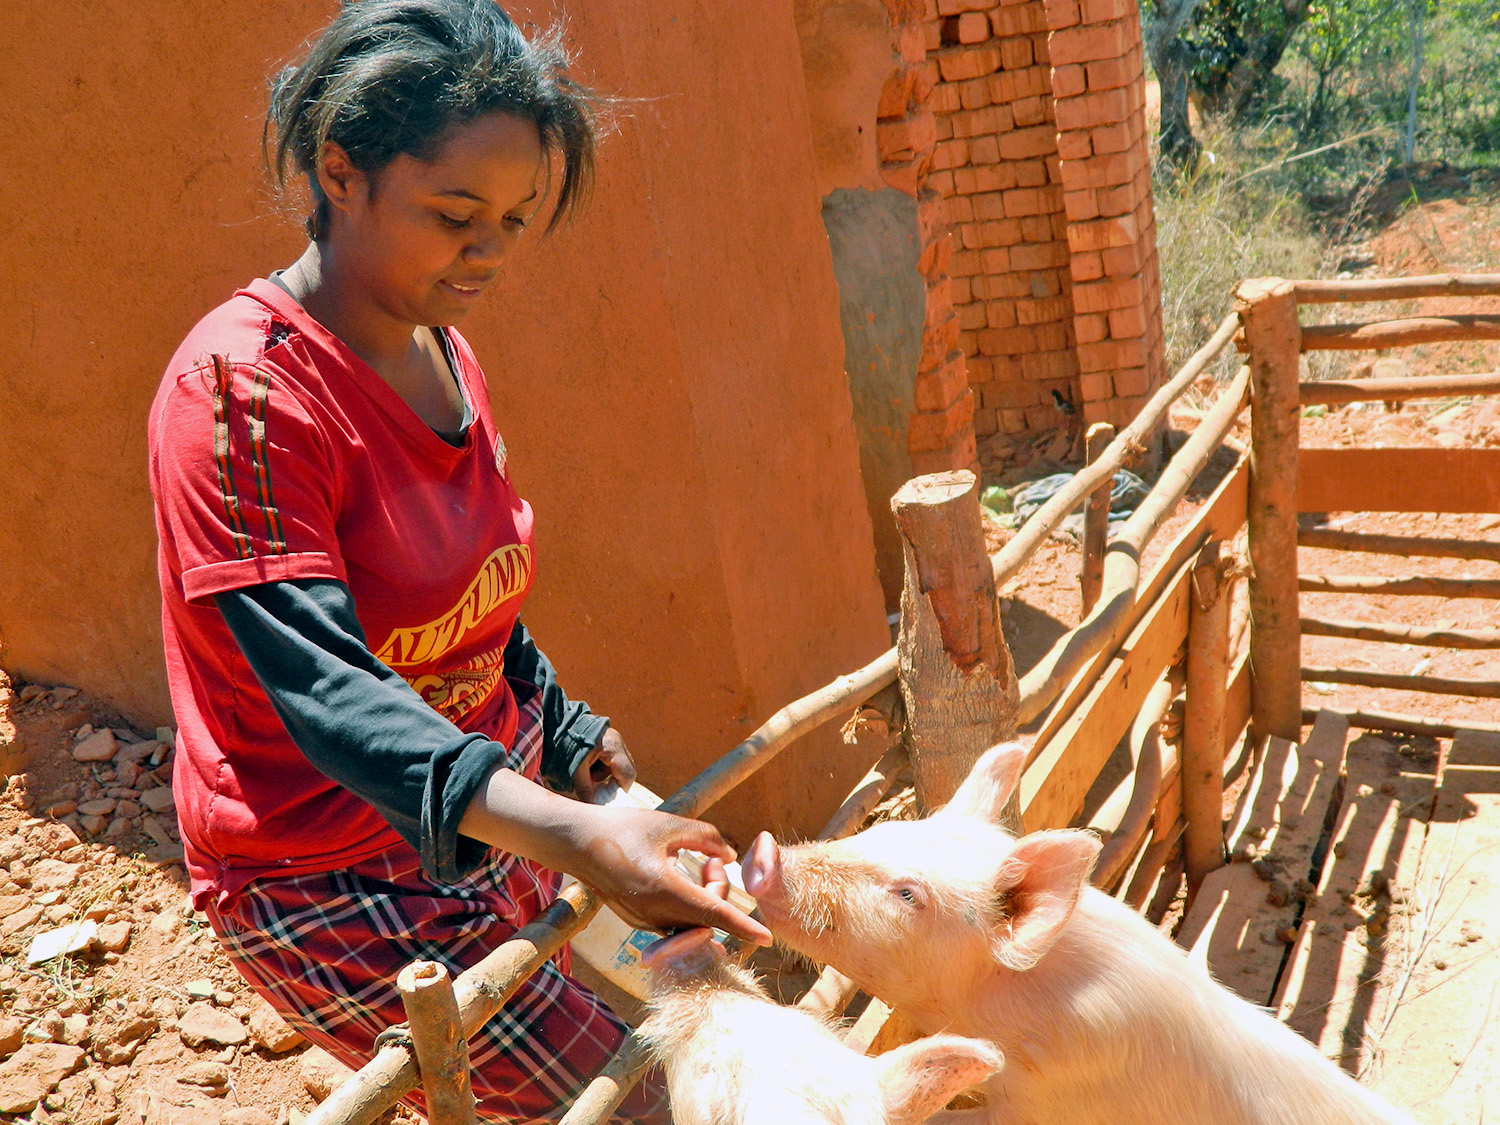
(324, 950)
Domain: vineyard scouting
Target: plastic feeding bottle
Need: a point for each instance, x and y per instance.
(612, 946)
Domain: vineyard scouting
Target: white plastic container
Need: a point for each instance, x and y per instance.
(610, 945)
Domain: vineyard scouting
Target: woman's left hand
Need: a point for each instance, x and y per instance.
(607, 760)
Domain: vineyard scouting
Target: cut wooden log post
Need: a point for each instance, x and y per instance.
(958, 684)
(1406, 546)
(1402, 634)
(1399, 333)
(1205, 719)
(1337, 392)
(1475, 689)
(1398, 723)
(442, 1051)
(1398, 288)
(1095, 517)
(1463, 586)
(1268, 307)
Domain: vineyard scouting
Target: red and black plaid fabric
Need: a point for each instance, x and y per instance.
(324, 949)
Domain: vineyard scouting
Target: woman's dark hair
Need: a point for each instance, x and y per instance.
(391, 77)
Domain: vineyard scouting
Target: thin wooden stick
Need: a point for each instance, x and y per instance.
(1145, 789)
(1110, 618)
(1095, 518)
(1405, 546)
(1476, 689)
(1268, 307)
(602, 1096)
(1204, 722)
(870, 791)
(1337, 392)
(1398, 288)
(1464, 586)
(1129, 442)
(1399, 333)
(780, 731)
(1402, 634)
(1404, 724)
(442, 1051)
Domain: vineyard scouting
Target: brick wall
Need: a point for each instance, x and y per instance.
(941, 433)
(1041, 156)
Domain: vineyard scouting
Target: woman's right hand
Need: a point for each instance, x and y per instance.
(630, 857)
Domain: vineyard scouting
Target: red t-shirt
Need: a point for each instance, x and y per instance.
(276, 454)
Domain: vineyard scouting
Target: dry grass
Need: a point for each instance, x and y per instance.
(1215, 229)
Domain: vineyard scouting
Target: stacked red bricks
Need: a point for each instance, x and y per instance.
(941, 433)
(1041, 153)
(1098, 86)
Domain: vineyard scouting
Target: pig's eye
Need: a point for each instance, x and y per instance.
(909, 895)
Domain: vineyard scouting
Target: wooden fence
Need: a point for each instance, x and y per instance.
(1109, 682)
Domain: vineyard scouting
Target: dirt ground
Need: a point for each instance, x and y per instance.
(151, 1025)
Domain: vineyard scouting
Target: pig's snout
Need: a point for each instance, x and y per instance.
(762, 867)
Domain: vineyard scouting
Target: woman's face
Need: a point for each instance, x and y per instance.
(424, 238)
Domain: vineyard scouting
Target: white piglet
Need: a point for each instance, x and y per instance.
(1101, 1018)
(735, 1057)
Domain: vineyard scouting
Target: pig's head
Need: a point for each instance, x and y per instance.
(909, 906)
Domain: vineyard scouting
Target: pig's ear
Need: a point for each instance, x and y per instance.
(918, 1079)
(990, 783)
(1036, 890)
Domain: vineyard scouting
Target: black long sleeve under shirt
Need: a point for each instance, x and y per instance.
(363, 726)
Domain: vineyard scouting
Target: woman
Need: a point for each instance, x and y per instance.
(362, 719)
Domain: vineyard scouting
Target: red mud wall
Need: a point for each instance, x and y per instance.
(667, 372)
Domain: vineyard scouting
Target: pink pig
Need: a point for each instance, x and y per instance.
(1101, 1018)
(735, 1057)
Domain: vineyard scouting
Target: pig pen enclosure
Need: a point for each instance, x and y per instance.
(1336, 864)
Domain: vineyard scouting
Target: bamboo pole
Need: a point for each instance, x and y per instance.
(1476, 689)
(1463, 586)
(442, 1051)
(1404, 724)
(1130, 441)
(1268, 307)
(1204, 722)
(603, 1095)
(958, 684)
(1405, 546)
(1399, 333)
(1398, 288)
(1337, 392)
(1110, 619)
(1402, 634)
(1095, 517)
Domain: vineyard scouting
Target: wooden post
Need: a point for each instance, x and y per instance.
(1095, 518)
(1203, 725)
(436, 1036)
(1268, 307)
(957, 680)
